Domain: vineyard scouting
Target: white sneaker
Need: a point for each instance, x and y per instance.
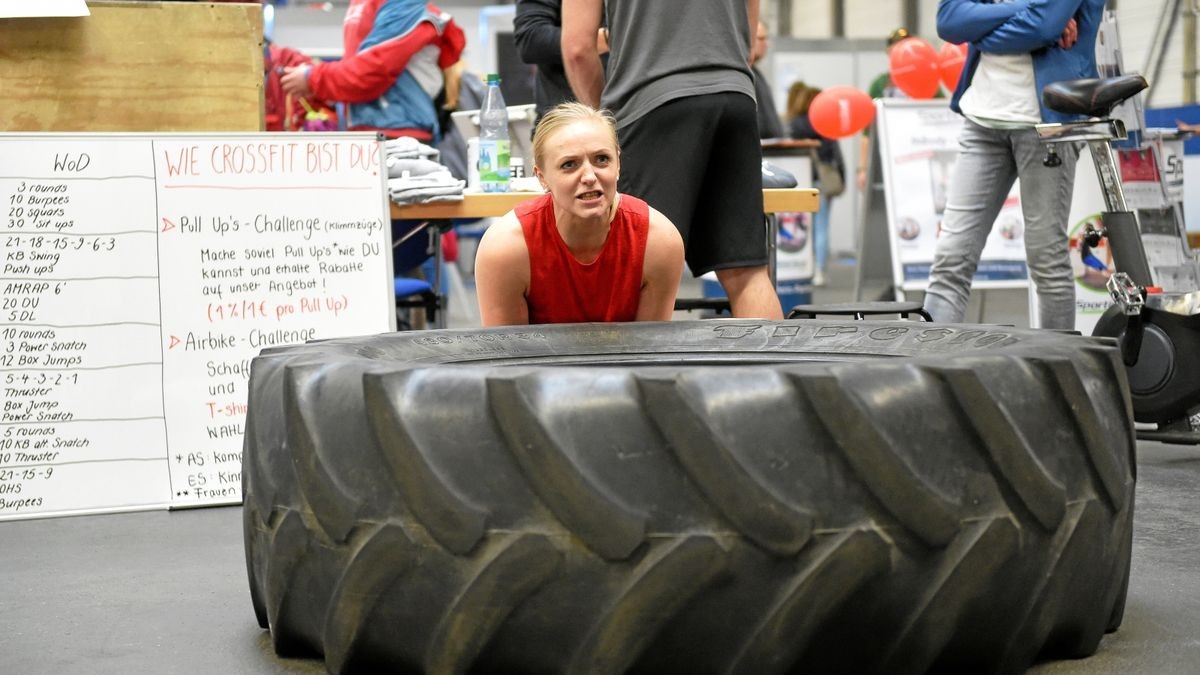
(818, 278)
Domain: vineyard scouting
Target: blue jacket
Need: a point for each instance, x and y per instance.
(405, 104)
(1023, 26)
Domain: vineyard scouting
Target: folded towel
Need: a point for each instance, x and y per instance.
(426, 195)
(410, 148)
(437, 178)
(415, 166)
(435, 186)
(429, 199)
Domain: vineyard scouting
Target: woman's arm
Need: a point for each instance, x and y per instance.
(365, 76)
(661, 270)
(502, 274)
(581, 57)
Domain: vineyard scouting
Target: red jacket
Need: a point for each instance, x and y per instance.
(278, 116)
(365, 75)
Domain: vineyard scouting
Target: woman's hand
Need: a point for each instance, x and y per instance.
(295, 81)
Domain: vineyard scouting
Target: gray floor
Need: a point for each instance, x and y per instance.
(163, 592)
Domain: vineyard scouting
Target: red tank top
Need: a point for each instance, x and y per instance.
(564, 290)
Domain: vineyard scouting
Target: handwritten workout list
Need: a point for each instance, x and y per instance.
(141, 274)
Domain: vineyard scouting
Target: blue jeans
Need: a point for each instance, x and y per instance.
(821, 234)
(988, 163)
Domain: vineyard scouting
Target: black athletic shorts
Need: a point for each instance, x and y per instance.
(698, 160)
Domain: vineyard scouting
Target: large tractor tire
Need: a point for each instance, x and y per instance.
(692, 497)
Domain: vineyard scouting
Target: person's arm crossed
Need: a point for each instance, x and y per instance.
(1041, 24)
(960, 21)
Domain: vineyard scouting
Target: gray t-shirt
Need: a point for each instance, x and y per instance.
(662, 50)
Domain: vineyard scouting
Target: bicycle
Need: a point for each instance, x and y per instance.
(1158, 332)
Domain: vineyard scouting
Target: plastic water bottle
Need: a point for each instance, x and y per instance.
(494, 149)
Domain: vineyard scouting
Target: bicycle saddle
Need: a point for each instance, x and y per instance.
(1091, 97)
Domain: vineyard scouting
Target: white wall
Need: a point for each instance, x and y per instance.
(1137, 21)
(872, 18)
(810, 18)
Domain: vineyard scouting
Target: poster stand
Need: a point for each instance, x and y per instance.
(914, 152)
(873, 273)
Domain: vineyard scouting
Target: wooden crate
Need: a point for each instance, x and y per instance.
(135, 66)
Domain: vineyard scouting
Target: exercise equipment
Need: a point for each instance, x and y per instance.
(1159, 332)
(690, 497)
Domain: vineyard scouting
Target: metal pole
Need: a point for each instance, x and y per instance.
(912, 16)
(783, 14)
(1189, 54)
(1109, 174)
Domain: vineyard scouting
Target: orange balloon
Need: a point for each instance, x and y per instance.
(951, 59)
(841, 111)
(914, 67)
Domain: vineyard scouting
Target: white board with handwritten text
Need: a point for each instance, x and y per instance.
(141, 273)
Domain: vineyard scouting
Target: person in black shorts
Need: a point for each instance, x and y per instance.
(687, 124)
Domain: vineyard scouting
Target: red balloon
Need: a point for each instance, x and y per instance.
(951, 59)
(914, 67)
(840, 111)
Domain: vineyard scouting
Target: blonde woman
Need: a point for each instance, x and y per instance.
(581, 252)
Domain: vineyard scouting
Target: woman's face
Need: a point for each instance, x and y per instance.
(580, 168)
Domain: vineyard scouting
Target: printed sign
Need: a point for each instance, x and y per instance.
(141, 275)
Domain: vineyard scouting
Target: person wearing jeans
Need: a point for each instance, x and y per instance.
(800, 98)
(1015, 49)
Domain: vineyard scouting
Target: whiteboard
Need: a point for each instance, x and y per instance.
(141, 273)
(919, 150)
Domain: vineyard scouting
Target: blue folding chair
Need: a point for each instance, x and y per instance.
(417, 263)
(414, 242)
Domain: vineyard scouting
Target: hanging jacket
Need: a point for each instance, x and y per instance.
(394, 51)
(1024, 26)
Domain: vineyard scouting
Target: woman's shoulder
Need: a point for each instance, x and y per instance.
(533, 205)
(663, 241)
(504, 239)
(633, 205)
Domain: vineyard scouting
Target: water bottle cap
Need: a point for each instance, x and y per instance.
(493, 78)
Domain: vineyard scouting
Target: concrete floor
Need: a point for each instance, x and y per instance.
(166, 592)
